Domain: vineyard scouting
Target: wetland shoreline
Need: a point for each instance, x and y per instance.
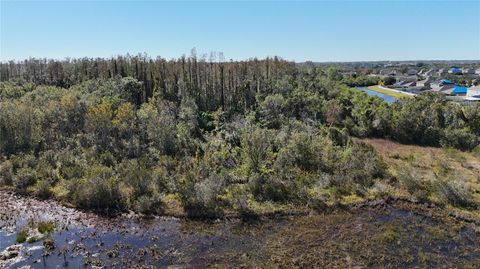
(85, 239)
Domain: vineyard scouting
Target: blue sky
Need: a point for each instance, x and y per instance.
(295, 30)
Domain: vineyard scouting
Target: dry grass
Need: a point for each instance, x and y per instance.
(430, 161)
(395, 94)
(431, 165)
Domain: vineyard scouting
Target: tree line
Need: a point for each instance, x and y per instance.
(213, 82)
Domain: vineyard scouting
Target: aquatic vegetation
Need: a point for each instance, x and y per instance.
(32, 239)
(46, 227)
(21, 236)
(383, 234)
(49, 244)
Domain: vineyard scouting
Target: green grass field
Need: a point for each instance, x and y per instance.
(388, 92)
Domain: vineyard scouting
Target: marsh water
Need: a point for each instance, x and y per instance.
(379, 236)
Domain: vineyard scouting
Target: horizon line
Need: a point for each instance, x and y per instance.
(65, 58)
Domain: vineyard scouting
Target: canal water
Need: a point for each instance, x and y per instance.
(389, 99)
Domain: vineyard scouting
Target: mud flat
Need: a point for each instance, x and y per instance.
(379, 235)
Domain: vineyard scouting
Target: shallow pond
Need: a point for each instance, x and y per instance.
(379, 237)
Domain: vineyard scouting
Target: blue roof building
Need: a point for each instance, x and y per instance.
(446, 81)
(455, 70)
(459, 90)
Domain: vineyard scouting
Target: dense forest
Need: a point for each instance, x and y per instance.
(136, 133)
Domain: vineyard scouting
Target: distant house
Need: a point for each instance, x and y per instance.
(459, 91)
(442, 85)
(424, 83)
(455, 70)
(398, 84)
(477, 71)
(441, 71)
(469, 71)
(446, 82)
(405, 84)
(447, 91)
(429, 73)
(408, 84)
(388, 72)
(411, 72)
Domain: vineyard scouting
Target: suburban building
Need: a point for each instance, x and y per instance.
(405, 84)
(424, 83)
(447, 91)
(442, 85)
(429, 73)
(388, 72)
(411, 72)
(459, 91)
(469, 71)
(455, 70)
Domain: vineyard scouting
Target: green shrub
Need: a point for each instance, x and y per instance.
(136, 175)
(24, 178)
(297, 166)
(199, 195)
(99, 190)
(358, 168)
(266, 188)
(459, 138)
(21, 236)
(389, 80)
(148, 204)
(455, 193)
(476, 151)
(305, 151)
(46, 227)
(339, 137)
(240, 203)
(43, 189)
(72, 170)
(271, 110)
(6, 173)
(412, 181)
(255, 144)
(106, 158)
